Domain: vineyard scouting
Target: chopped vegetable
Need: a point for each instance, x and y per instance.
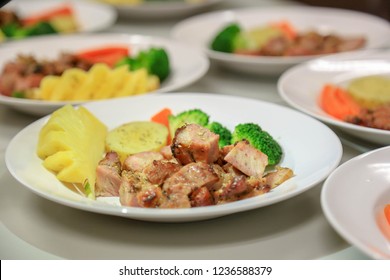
(337, 102)
(225, 136)
(14, 30)
(224, 41)
(162, 117)
(195, 116)
(287, 29)
(65, 10)
(387, 213)
(154, 60)
(108, 54)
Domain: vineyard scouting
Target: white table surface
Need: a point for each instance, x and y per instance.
(34, 228)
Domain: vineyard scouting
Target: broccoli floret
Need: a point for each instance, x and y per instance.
(224, 41)
(155, 60)
(259, 139)
(14, 30)
(196, 116)
(225, 136)
(41, 28)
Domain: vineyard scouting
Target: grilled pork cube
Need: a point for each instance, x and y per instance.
(231, 188)
(166, 152)
(159, 170)
(194, 143)
(201, 197)
(275, 47)
(108, 178)
(139, 161)
(150, 196)
(189, 178)
(351, 44)
(130, 185)
(247, 159)
(277, 177)
(137, 191)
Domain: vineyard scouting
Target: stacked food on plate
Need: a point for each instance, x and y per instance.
(281, 39)
(171, 161)
(60, 19)
(364, 101)
(99, 73)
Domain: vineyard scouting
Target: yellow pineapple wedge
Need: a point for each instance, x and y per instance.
(71, 144)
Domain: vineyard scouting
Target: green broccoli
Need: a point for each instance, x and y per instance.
(196, 116)
(225, 136)
(155, 60)
(259, 139)
(41, 28)
(15, 30)
(224, 41)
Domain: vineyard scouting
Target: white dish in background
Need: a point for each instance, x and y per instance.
(200, 30)
(187, 64)
(353, 198)
(162, 9)
(312, 156)
(90, 16)
(300, 86)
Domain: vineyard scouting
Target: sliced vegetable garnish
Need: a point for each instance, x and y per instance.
(108, 54)
(387, 213)
(65, 10)
(337, 102)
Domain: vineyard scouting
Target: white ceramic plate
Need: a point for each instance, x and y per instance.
(187, 64)
(353, 198)
(200, 30)
(162, 9)
(301, 86)
(311, 156)
(91, 16)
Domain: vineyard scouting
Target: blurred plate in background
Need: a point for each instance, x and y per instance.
(90, 16)
(187, 64)
(300, 86)
(149, 10)
(200, 30)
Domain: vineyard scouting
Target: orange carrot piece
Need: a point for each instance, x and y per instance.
(287, 28)
(162, 118)
(108, 54)
(337, 102)
(64, 10)
(387, 213)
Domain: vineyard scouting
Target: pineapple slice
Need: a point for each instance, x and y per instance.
(71, 145)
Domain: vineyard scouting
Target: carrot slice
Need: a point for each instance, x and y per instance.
(337, 102)
(287, 28)
(162, 118)
(108, 54)
(387, 213)
(64, 10)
